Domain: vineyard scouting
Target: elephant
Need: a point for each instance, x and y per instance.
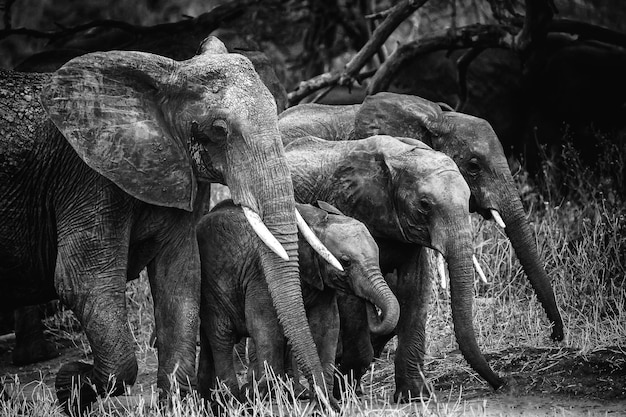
(235, 302)
(31, 345)
(409, 197)
(103, 170)
(468, 140)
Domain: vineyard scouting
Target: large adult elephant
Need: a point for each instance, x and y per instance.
(30, 343)
(408, 196)
(468, 140)
(101, 175)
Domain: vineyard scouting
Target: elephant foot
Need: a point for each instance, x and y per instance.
(411, 391)
(32, 352)
(557, 333)
(74, 387)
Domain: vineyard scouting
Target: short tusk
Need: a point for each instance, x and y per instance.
(441, 269)
(315, 242)
(497, 218)
(264, 234)
(481, 274)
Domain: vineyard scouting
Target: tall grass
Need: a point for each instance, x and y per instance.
(579, 220)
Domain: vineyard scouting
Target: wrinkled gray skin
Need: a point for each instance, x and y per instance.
(99, 172)
(30, 344)
(408, 196)
(468, 140)
(235, 302)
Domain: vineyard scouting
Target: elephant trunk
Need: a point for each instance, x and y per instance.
(521, 237)
(376, 291)
(283, 278)
(459, 257)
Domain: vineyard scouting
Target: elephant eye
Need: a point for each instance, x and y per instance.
(424, 205)
(345, 260)
(217, 132)
(473, 167)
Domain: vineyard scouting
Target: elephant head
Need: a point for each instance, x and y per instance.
(475, 148)
(350, 241)
(407, 193)
(155, 126)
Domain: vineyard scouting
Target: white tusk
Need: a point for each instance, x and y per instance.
(497, 218)
(315, 242)
(441, 269)
(481, 274)
(264, 234)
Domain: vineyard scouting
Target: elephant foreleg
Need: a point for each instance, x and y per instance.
(413, 292)
(265, 331)
(356, 352)
(324, 322)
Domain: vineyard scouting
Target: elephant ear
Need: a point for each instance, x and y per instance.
(365, 184)
(329, 208)
(398, 115)
(106, 104)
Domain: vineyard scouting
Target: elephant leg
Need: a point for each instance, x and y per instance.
(175, 284)
(324, 322)
(356, 348)
(30, 344)
(269, 341)
(222, 343)
(206, 365)
(413, 292)
(90, 278)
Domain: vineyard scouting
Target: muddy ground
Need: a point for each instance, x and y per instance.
(541, 382)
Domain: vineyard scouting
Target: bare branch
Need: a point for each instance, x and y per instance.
(462, 64)
(472, 36)
(307, 87)
(538, 16)
(7, 13)
(588, 31)
(398, 14)
(214, 17)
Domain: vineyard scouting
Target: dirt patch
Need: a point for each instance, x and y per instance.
(541, 382)
(597, 375)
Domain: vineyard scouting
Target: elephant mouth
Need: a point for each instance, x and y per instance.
(487, 213)
(441, 270)
(274, 245)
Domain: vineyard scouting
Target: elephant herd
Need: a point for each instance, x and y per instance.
(105, 169)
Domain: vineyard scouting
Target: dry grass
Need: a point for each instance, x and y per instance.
(581, 233)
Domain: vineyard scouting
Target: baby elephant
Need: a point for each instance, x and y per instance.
(236, 302)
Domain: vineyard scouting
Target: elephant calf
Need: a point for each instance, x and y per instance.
(236, 303)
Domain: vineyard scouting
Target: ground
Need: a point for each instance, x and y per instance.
(541, 381)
